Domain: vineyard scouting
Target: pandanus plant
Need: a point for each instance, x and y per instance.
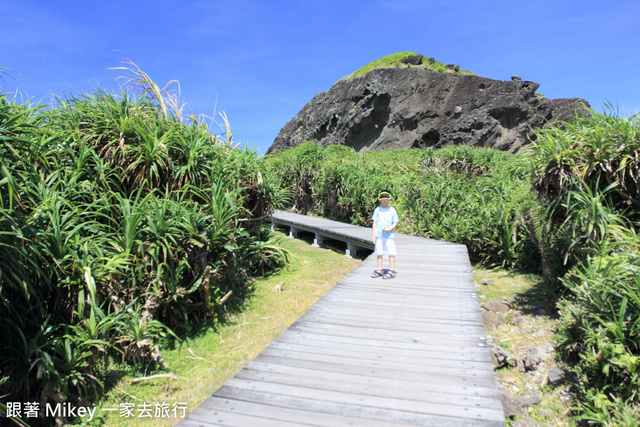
(117, 221)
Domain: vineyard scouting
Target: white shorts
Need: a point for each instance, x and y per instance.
(385, 246)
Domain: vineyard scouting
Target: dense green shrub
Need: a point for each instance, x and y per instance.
(600, 333)
(594, 151)
(117, 221)
(587, 170)
(475, 196)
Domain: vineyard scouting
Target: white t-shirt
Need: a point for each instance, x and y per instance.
(385, 217)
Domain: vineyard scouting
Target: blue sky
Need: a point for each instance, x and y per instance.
(261, 61)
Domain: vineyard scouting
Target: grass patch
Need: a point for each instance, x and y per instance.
(395, 61)
(527, 291)
(210, 355)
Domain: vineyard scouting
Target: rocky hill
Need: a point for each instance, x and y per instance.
(416, 106)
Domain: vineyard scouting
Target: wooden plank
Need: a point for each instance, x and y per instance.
(471, 380)
(384, 385)
(398, 368)
(435, 329)
(465, 303)
(313, 413)
(341, 392)
(210, 415)
(396, 310)
(461, 306)
(278, 413)
(386, 358)
(408, 283)
(361, 385)
(399, 287)
(386, 334)
(424, 361)
(419, 302)
(445, 320)
(362, 276)
(351, 404)
(404, 279)
(448, 349)
(349, 301)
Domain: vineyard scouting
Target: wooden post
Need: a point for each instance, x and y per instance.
(351, 250)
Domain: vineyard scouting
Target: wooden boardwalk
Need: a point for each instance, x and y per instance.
(409, 351)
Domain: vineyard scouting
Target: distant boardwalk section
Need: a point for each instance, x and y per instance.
(409, 351)
(323, 229)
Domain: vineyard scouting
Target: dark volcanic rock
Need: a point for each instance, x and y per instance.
(414, 107)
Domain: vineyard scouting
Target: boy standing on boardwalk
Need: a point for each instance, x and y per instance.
(385, 220)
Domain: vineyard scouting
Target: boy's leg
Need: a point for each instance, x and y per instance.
(378, 272)
(379, 253)
(379, 250)
(391, 251)
(390, 248)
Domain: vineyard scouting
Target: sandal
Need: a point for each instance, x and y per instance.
(389, 275)
(377, 273)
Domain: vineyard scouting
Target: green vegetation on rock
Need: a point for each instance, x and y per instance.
(395, 61)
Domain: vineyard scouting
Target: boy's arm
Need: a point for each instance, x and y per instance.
(373, 231)
(395, 220)
(388, 229)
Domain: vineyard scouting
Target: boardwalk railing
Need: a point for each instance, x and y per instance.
(373, 352)
(355, 237)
